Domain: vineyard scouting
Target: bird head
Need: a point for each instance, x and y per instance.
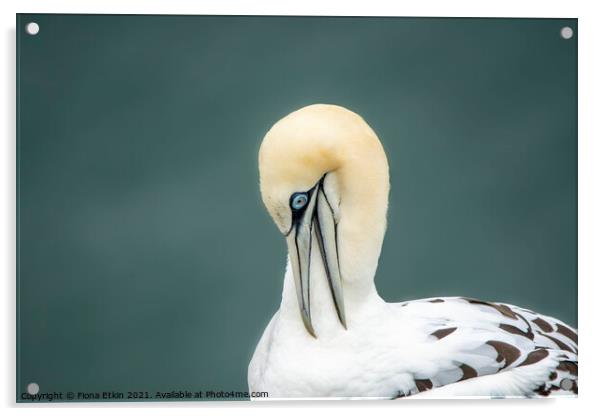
(316, 165)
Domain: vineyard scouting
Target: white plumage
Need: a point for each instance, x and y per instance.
(347, 342)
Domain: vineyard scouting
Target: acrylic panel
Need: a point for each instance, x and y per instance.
(150, 260)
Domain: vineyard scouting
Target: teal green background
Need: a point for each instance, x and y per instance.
(146, 261)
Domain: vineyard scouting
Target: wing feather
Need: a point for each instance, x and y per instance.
(472, 338)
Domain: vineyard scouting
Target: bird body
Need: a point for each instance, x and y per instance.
(324, 180)
(425, 346)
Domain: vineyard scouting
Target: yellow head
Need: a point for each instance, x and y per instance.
(324, 177)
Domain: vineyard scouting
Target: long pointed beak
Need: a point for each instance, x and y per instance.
(299, 249)
(326, 232)
(317, 221)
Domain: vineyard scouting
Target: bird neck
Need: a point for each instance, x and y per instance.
(362, 223)
(358, 296)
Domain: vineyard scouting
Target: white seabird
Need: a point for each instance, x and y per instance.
(325, 182)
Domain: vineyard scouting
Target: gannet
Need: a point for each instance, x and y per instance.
(324, 180)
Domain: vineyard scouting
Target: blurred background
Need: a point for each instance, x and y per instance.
(146, 261)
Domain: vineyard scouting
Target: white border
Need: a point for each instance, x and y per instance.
(590, 185)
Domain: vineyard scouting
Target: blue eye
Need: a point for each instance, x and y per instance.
(298, 200)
